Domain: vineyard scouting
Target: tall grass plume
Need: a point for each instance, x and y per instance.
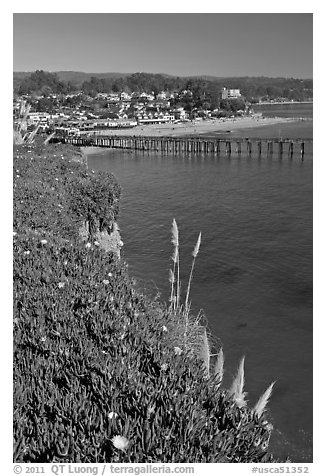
(175, 283)
(205, 352)
(219, 366)
(263, 401)
(194, 254)
(236, 390)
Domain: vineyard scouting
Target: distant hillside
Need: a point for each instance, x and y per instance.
(204, 86)
(78, 77)
(75, 77)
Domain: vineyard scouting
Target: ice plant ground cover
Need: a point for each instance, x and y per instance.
(97, 377)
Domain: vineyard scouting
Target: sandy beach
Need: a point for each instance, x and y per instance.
(192, 128)
(200, 127)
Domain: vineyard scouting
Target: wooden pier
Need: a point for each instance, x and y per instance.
(179, 145)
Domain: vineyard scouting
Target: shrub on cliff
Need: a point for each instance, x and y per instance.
(95, 199)
(54, 193)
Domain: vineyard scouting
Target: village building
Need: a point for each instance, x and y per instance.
(230, 93)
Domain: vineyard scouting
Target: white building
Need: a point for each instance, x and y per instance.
(161, 95)
(160, 119)
(230, 93)
(125, 96)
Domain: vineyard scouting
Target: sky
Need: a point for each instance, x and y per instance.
(218, 44)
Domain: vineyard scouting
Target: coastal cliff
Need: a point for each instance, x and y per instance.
(100, 370)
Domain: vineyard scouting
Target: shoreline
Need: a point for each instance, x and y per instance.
(91, 150)
(199, 127)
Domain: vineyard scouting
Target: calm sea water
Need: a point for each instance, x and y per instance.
(285, 110)
(253, 275)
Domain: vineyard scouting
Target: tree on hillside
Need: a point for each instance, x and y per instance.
(41, 82)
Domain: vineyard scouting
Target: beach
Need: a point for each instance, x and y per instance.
(199, 127)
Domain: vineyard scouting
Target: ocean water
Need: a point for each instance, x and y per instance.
(253, 275)
(285, 110)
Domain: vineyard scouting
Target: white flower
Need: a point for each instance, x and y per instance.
(57, 179)
(165, 329)
(14, 233)
(109, 274)
(88, 245)
(106, 281)
(164, 367)
(112, 415)
(120, 442)
(26, 252)
(43, 242)
(65, 263)
(17, 176)
(96, 243)
(177, 351)
(61, 285)
(43, 339)
(121, 243)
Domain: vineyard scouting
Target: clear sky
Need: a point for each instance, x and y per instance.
(219, 44)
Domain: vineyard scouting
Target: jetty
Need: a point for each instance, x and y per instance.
(202, 145)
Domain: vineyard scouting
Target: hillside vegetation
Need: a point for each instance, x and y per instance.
(101, 372)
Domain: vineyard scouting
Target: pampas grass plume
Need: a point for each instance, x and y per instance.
(219, 365)
(175, 233)
(237, 386)
(205, 351)
(263, 400)
(194, 254)
(196, 249)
